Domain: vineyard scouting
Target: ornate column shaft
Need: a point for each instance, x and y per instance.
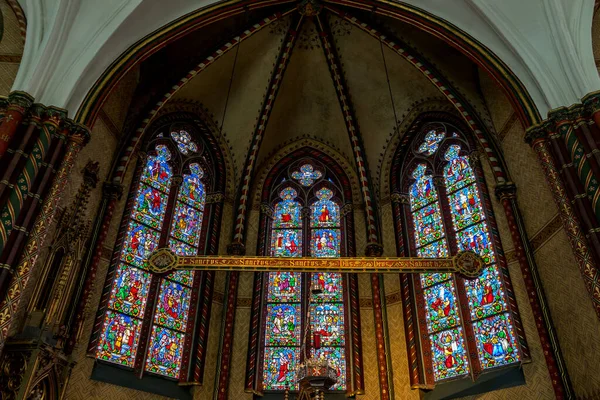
(226, 345)
(111, 193)
(535, 292)
(8, 307)
(579, 244)
(17, 105)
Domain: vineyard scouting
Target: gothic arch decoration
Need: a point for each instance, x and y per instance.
(145, 321)
(306, 211)
(441, 205)
(518, 95)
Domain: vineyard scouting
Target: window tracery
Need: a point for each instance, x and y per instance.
(467, 324)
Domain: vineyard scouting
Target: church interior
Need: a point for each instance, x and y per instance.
(299, 199)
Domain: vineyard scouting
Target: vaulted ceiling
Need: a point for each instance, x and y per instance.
(232, 82)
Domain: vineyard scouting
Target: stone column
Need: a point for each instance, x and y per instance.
(507, 193)
(581, 249)
(78, 136)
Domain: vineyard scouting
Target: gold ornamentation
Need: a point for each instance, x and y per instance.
(468, 264)
(163, 260)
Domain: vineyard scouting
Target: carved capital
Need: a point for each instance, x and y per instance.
(90, 173)
(439, 181)
(507, 190)
(112, 190)
(474, 156)
(54, 116)
(236, 249)
(400, 198)
(216, 197)
(305, 212)
(591, 102)
(266, 209)
(539, 132)
(19, 101)
(79, 134)
(347, 209)
(374, 250)
(176, 180)
(309, 8)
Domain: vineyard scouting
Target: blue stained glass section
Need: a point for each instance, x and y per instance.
(422, 192)
(485, 294)
(434, 250)
(497, 345)
(325, 212)
(442, 310)
(157, 172)
(325, 243)
(428, 224)
(279, 371)
(287, 211)
(458, 172)
(307, 175)
(477, 239)
(140, 242)
(192, 189)
(286, 243)
(337, 357)
(431, 142)
(449, 354)
(150, 206)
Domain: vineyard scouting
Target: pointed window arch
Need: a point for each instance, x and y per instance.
(306, 220)
(146, 321)
(466, 327)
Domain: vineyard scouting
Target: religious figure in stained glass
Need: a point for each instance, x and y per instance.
(307, 175)
(287, 243)
(487, 316)
(330, 284)
(327, 321)
(325, 243)
(158, 172)
(284, 287)
(141, 242)
(164, 354)
(130, 290)
(287, 212)
(151, 206)
(283, 324)
(337, 358)
(325, 213)
(280, 368)
(173, 305)
(120, 335)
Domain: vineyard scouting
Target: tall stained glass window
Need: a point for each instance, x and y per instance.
(161, 196)
(320, 227)
(451, 207)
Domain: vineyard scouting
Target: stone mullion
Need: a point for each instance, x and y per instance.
(501, 263)
(251, 384)
(579, 244)
(261, 126)
(465, 312)
(575, 192)
(110, 194)
(17, 105)
(535, 292)
(202, 293)
(399, 202)
(78, 137)
(153, 290)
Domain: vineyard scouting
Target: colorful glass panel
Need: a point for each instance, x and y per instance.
(433, 278)
(431, 142)
(497, 345)
(183, 277)
(165, 352)
(325, 243)
(140, 242)
(449, 354)
(337, 358)
(279, 370)
(286, 243)
(129, 291)
(422, 192)
(184, 141)
(325, 213)
(485, 294)
(173, 305)
(192, 190)
(327, 320)
(466, 207)
(186, 224)
(287, 211)
(330, 284)
(284, 287)
(157, 172)
(434, 250)
(458, 172)
(428, 224)
(150, 206)
(119, 340)
(442, 310)
(283, 325)
(307, 175)
(477, 239)
(182, 249)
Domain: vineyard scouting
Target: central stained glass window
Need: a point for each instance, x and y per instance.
(488, 320)
(166, 314)
(286, 291)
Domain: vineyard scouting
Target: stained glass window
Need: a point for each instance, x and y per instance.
(184, 142)
(284, 315)
(120, 339)
(307, 175)
(488, 318)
